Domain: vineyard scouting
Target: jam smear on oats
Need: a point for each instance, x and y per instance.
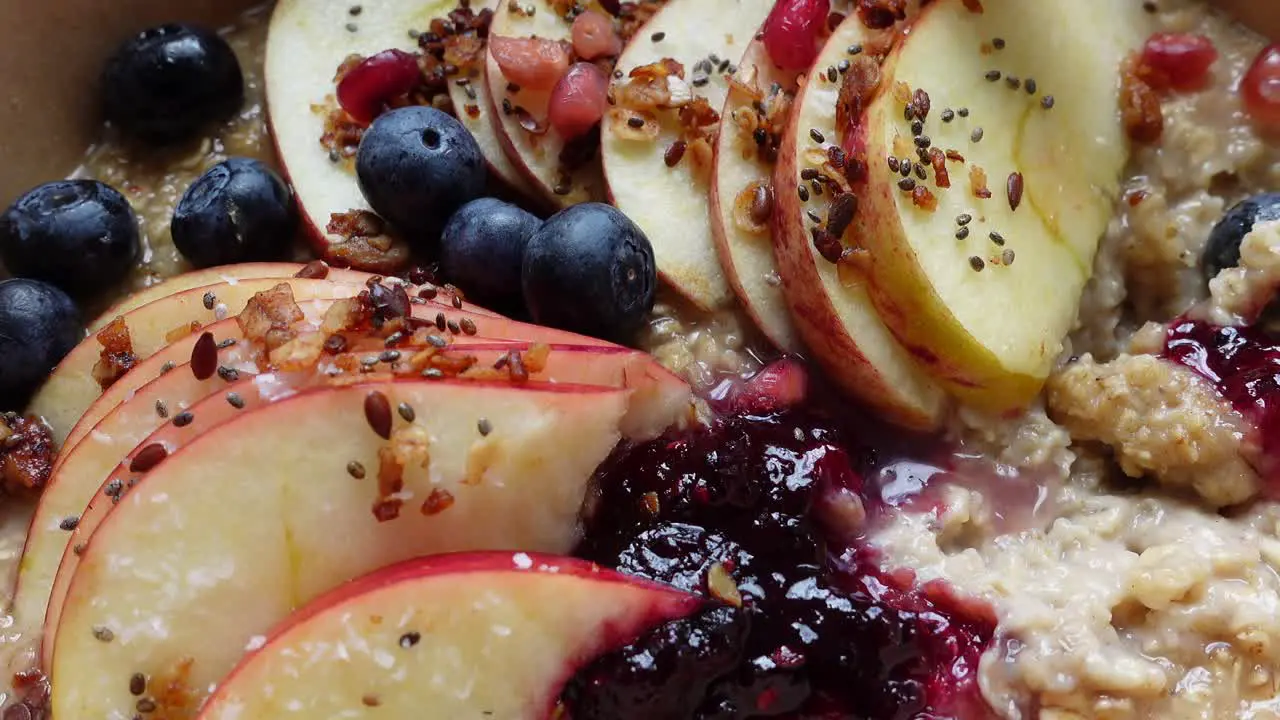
(763, 512)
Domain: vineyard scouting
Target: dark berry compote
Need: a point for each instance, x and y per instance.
(1243, 363)
(746, 512)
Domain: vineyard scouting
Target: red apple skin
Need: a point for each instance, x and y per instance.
(836, 348)
(664, 604)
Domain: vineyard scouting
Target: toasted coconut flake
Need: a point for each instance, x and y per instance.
(117, 356)
(857, 89)
(437, 502)
(269, 317)
(978, 182)
(300, 353)
(26, 455)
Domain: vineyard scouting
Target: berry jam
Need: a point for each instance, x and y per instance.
(1244, 365)
(814, 628)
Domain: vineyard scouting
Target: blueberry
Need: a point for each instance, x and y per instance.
(80, 235)
(416, 167)
(482, 248)
(238, 211)
(167, 83)
(1223, 249)
(39, 325)
(589, 269)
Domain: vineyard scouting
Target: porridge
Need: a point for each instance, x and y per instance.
(1111, 551)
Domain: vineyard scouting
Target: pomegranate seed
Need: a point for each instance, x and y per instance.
(578, 100)
(593, 36)
(1176, 61)
(533, 63)
(365, 91)
(791, 32)
(1261, 88)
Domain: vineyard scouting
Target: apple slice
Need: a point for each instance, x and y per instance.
(72, 388)
(306, 42)
(508, 628)
(831, 309)
(83, 467)
(671, 203)
(745, 245)
(214, 276)
(256, 516)
(982, 279)
(536, 156)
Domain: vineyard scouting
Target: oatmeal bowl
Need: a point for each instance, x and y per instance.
(908, 359)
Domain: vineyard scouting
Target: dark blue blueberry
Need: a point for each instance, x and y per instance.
(482, 248)
(39, 325)
(80, 235)
(1223, 249)
(416, 167)
(167, 83)
(239, 211)
(589, 269)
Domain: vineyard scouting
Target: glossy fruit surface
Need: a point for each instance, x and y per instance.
(481, 250)
(168, 82)
(416, 166)
(1260, 89)
(531, 63)
(1223, 249)
(578, 100)
(590, 269)
(239, 211)
(367, 88)
(39, 325)
(806, 629)
(1177, 61)
(593, 36)
(791, 32)
(81, 235)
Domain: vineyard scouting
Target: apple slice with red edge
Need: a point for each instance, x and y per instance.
(742, 193)
(657, 397)
(223, 274)
(72, 387)
(521, 112)
(978, 269)
(255, 517)
(82, 467)
(832, 310)
(510, 628)
(670, 203)
(307, 41)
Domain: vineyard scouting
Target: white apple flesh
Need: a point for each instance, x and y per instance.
(745, 249)
(671, 204)
(258, 515)
(833, 314)
(983, 282)
(509, 628)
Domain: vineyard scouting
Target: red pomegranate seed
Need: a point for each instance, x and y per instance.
(1177, 61)
(533, 63)
(791, 32)
(1260, 88)
(578, 100)
(365, 91)
(593, 36)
